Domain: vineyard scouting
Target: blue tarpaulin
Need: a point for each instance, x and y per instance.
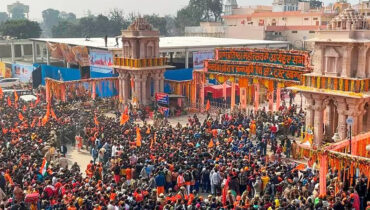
(179, 74)
(106, 89)
(52, 72)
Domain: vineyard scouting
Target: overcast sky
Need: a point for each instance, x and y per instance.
(80, 7)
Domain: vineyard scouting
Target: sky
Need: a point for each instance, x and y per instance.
(80, 7)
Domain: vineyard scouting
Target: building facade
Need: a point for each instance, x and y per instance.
(337, 92)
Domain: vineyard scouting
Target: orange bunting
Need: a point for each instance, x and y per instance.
(138, 137)
(20, 116)
(208, 106)
(211, 144)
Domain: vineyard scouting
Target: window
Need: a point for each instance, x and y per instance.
(305, 18)
(284, 18)
(294, 32)
(315, 18)
(311, 32)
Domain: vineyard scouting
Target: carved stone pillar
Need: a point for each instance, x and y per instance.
(354, 111)
(125, 87)
(329, 118)
(309, 110)
(342, 116)
(148, 88)
(318, 120)
(120, 90)
(137, 84)
(156, 83)
(361, 114)
(347, 60)
(161, 82)
(361, 66)
(144, 89)
(320, 59)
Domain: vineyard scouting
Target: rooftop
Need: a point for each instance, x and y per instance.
(167, 43)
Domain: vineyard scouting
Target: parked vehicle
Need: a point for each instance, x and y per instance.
(9, 82)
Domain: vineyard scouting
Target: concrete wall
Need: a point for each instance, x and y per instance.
(245, 32)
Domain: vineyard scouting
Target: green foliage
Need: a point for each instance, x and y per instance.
(198, 11)
(21, 29)
(3, 17)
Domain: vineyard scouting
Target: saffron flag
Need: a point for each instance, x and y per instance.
(300, 167)
(9, 101)
(20, 116)
(138, 137)
(225, 190)
(1, 93)
(53, 114)
(33, 122)
(45, 119)
(124, 118)
(44, 167)
(15, 96)
(96, 120)
(211, 144)
(151, 144)
(208, 106)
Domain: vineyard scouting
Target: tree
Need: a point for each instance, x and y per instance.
(197, 11)
(21, 29)
(66, 29)
(3, 17)
(117, 22)
(67, 16)
(157, 22)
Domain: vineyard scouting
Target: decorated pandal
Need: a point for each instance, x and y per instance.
(345, 157)
(66, 90)
(257, 72)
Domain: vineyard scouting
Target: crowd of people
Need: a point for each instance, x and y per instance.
(226, 161)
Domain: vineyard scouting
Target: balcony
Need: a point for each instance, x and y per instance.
(139, 63)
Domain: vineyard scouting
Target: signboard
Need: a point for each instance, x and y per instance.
(100, 58)
(164, 110)
(349, 121)
(162, 98)
(273, 56)
(199, 57)
(23, 72)
(255, 69)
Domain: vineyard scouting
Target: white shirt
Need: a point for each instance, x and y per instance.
(114, 150)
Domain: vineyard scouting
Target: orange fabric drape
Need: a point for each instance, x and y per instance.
(208, 106)
(124, 118)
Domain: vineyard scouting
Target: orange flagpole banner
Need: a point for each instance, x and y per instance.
(15, 96)
(138, 137)
(208, 106)
(1, 93)
(211, 144)
(233, 90)
(53, 115)
(124, 118)
(96, 120)
(20, 116)
(9, 101)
